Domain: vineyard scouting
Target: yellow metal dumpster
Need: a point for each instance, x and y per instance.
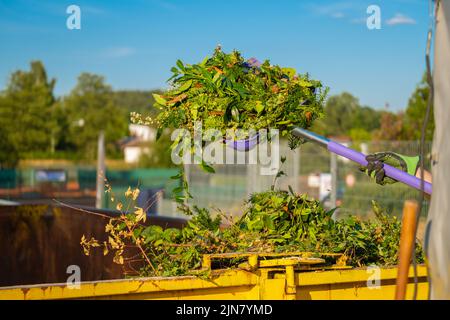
(284, 278)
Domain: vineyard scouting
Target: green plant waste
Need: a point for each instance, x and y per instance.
(272, 221)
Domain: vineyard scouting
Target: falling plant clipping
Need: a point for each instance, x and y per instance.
(226, 91)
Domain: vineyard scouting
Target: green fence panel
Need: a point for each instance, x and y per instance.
(87, 178)
(8, 178)
(133, 178)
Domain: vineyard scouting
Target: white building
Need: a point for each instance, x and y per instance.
(138, 143)
(144, 133)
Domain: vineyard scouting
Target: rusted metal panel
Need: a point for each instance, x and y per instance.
(39, 242)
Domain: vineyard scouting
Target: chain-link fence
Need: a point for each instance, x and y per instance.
(332, 179)
(309, 169)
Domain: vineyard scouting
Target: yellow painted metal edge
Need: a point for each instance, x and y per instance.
(231, 278)
(228, 281)
(351, 275)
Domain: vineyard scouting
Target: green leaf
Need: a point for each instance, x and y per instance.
(180, 65)
(180, 199)
(184, 86)
(178, 190)
(159, 99)
(216, 77)
(290, 72)
(306, 212)
(159, 133)
(240, 89)
(283, 122)
(137, 232)
(194, 113)
(204, 61)
(305, 83)
(291, 190)
(235, 114)
(206, 167)
(259, 107)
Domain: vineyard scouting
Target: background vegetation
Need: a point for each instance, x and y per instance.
(34, 123)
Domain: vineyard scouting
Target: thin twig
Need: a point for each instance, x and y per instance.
(82, 210)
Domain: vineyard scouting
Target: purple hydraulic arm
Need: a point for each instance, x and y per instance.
(360, 158)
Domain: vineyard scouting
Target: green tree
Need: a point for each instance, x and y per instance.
(26, 110)
(62, 138)
(139, 101)
(343, 113)
(367, 119)
(9, 156)
(415, 113)
(90, 109)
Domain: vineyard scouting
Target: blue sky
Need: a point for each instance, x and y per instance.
(134, 43)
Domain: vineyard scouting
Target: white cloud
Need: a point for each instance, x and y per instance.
(400, 19)
(119, 52)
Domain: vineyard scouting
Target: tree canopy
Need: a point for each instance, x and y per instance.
(415, 113)
(90, 108)
(33, 121)
(26, 109)
(345, 116)
(136, 101)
